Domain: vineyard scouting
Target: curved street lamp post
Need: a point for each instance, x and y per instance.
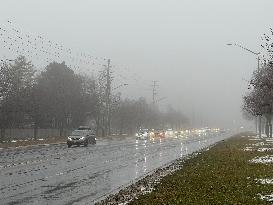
(258, 68)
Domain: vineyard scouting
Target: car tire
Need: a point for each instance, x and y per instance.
(93, 141)
(86, 143)
(69, 145)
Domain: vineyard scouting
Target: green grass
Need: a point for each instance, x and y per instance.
(221, 175)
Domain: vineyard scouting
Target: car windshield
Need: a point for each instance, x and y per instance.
(84, 128)
(77, 133)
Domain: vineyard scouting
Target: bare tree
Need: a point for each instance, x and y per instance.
(259, 100)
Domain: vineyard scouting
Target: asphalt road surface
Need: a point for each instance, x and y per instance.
(55, 174)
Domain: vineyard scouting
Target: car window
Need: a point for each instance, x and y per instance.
(78, 132)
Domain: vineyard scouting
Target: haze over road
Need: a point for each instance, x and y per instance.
(182, 44)
(54, 174)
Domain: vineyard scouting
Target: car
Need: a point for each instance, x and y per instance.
(142, 134)
(81, 136)
(157, 133)
(180, 134)
(169, 133)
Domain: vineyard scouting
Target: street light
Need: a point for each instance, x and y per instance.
(247, 49)
(258, 68)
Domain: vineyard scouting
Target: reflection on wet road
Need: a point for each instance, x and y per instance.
(54, 174)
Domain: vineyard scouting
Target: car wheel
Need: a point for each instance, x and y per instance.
(93, 141)
(69, 145)
(86, 143)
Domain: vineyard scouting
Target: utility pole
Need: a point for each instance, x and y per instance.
(155, 85)
(259, 117)
(108, 99)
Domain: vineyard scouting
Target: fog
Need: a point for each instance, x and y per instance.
(181, 44)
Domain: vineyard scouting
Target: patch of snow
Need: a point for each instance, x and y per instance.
(258, 144)
(255, 139)
(263, 160)
(248, 149)
(264, 136)
(264, 149)
(268, 197)
(148, 191)
(142, 188)
(41, 139)
(13, 141)
(264, 181)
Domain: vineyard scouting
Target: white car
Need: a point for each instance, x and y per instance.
(169, 133)
(142, 135)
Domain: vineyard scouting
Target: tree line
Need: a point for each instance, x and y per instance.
(258, 102)
(59, 98)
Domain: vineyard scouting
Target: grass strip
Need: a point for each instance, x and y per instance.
(221, 175)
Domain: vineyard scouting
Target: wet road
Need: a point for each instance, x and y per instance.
(54, 174)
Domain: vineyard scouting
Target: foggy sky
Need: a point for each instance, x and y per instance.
(180, 43)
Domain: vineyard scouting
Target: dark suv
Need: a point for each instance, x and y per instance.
(82, 136)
